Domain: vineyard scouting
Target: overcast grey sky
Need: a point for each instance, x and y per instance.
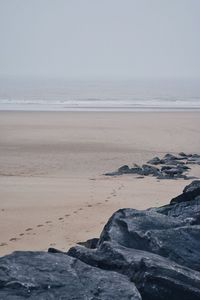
(100, 38)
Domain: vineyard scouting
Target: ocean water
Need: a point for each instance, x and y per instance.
(129, 95)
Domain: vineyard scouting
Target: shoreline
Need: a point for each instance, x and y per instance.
(107, 109)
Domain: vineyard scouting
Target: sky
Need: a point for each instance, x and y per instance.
(115, 39)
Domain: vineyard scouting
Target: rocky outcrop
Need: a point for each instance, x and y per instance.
(155, 277)
(172, 167)
(40, 275)
(158, 249)
(151, 254)
(192, 186)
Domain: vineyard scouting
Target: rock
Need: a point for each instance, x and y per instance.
(173, 171)
(155, 161)
(155, 277)
(158, 249)
(170, 159)
(156, 233)
(150, 170)
(183, 154)
(192, 186)
(188, 211)
(136, 170)
(115, 173)
(173, 167)
(169, 156)
(194, 159)
(91, 244)
(124, 169)
(40, 275)
(54, 250)
(187, 196)
(165, 176)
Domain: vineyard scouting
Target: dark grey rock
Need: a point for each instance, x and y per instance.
(54, 250)
(173, 171)
(155, 161)
(158, 249)
(187, 196)
(172, 167)
(124, 169)
(46, 276)
(155, 277)
(150, 170)
(194, 159)
(188, 211)
(155, 232)
(91, 244)
(169, 156)
(192, 186)
(182, 154)
(136, 170)
(115, 173)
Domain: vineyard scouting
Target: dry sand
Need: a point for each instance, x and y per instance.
(52, 191)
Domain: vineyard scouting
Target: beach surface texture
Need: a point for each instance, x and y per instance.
(52, 189)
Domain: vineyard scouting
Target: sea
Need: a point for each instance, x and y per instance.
(99, 95)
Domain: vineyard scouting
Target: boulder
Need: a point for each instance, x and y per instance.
(169, 156)
(155, 277)
(150, 170)
(158, 249)
(91, 243)
(187, 196)
(156, 233)
(124, 169)
(194, 159)
(195, 184)
(155, 161)
(182, 154)
(40, 276)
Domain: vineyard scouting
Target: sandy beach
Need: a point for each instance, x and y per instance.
(52, 189)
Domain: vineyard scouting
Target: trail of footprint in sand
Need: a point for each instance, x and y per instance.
(113, 193)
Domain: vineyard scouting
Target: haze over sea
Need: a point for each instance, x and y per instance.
(99, 95)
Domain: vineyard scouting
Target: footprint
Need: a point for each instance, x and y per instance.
(89, 205)
(53, 244)
(60, 218)
(67, 216)
(3, 244)
(29, 229)
(21, 234)
(47, 222)
(40, 225)
(13, 239)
